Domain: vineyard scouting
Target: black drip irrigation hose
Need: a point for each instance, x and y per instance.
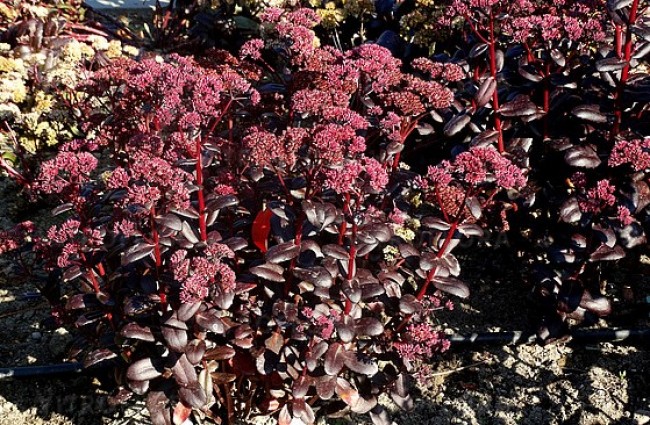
(584, 336)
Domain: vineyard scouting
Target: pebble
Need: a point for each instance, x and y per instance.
(37, 335)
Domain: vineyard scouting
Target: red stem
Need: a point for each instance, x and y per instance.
(203, 228)
(625, 73)
(441, 252)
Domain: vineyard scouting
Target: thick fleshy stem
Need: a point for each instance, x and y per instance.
(203, 228)
(625, 72)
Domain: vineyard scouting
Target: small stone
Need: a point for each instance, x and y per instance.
(642, 417)
(37, 335)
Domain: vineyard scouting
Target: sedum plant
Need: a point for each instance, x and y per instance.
(240, 234)
(44, 53)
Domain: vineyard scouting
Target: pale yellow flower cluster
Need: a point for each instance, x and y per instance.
(33, 86)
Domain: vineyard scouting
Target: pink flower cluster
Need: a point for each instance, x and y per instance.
(523, 20)
(598, 197)
(421, 342)
(353, 175)
(478, 166)
(199, 275)
(68, 170)
(636, 153)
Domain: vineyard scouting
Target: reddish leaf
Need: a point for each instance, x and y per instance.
(261, 229)
(181, 413)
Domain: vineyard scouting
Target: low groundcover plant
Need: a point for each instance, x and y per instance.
(239, 234)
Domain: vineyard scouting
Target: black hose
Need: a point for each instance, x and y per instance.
(8, 373)
(584, 336)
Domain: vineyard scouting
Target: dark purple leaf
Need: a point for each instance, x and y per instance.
(612, 64)
(98, 356)
(188, 233)
(530, 73)
(520, 106)
(379, 416)
(171, 221)
(186, 311)
(582, 156)
(175, 333)
(139, 387)
(144, 370)
(599, 306)
(428, 261)
(319, 214)
(315, 354)
(135, 331)
(318, 276)
(478, 50)
(193, 395)
(222, 202)
(268, 271)
(336, 251)
(632, 235)
(380, 232)
(220, 353)
(184, 372)
(62, 208)
(408, 304)
(358, 364)
(137, 252)
(474, 206)
(364, 405)
(404, 402)
(352, 290)
(407, 250)
(605, 234)
(335, 359)
(220, 378)
(570, 211)
(456, 124)
(195, 351)
(157, 405)
(435, 223)
(605, 253)
(485, 138)
(590, 113)
(210, 321)
(282, 252)
(558, 57)
(303, 411)
(71, 273)
(190, 212)
(424, 129)
(485, 92)
(346, 392)
(325, 386)
(345, 329)
(80, 301)
(236, 243)
(452, 286)
(368, 326)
